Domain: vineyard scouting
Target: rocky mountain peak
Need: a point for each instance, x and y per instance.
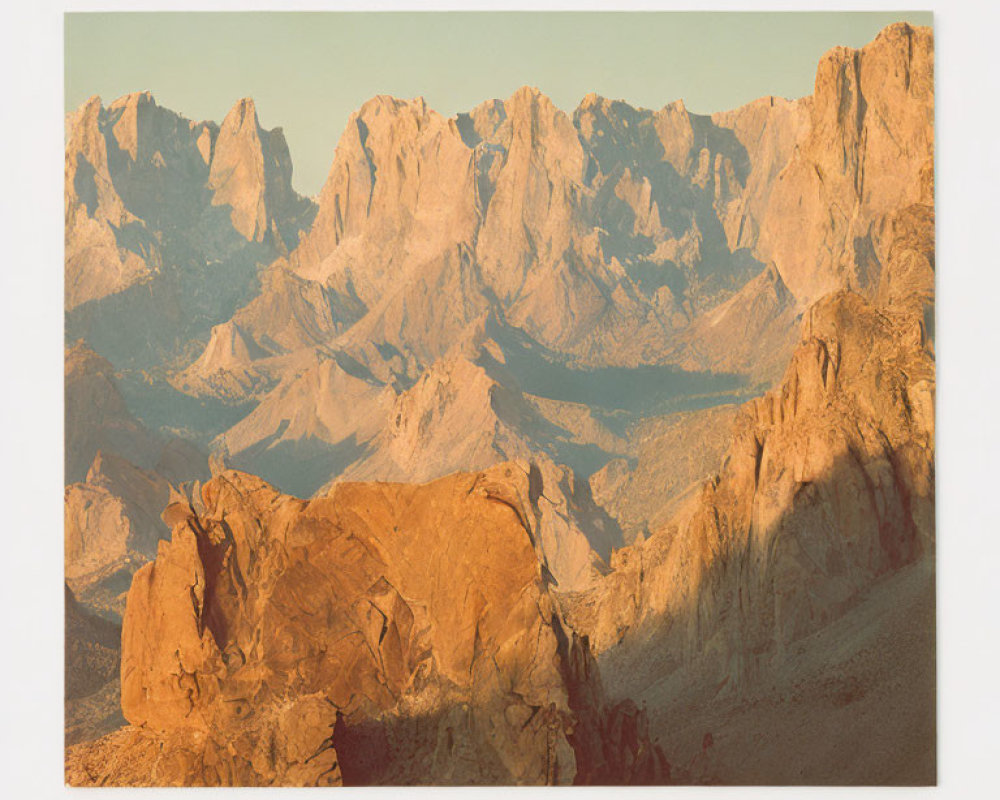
(85, 116)
(251, 171)
(481, 122)
(134, 112)
(135, 168)
(866, 154)
(527, 94)
(245, 110)
(246, 564)
(529, 105)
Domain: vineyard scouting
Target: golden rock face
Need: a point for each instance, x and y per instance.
(273, 633)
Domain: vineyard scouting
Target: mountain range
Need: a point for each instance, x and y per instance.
(537, 448)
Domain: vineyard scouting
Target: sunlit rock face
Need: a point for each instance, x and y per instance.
(826, 486)
(251, 172)
(168, 223)
(515, 235)
(836, 461)
(869, 152)
(227, 665)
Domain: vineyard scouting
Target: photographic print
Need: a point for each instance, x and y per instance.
(480, 398)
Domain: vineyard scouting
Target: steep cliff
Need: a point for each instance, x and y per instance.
(869, 152)
(119, 476)
(612, 237)
(167, 224)
(828, 484)
(112, 526)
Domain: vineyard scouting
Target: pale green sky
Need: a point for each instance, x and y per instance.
(308, 71)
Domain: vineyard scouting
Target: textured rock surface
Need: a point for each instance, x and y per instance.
(769, 130)
(279, 641)
(828, 485)
(97, 417)
(283, 327)
(599, 235)
(251, 171)
(99, 261)
(841, 450)
(168, 222)
(310, 426)
(99, 420)
(225, 369)
(119, 477)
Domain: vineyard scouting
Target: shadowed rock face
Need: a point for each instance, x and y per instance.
(91, 650)
(276, 636)
(491, 397)
(98, 420)
(826, 491)
(97, 417)
(92, 657)
(167, 224)
(827, 485)
(832, 470)
(251, 172)
(673, 452)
